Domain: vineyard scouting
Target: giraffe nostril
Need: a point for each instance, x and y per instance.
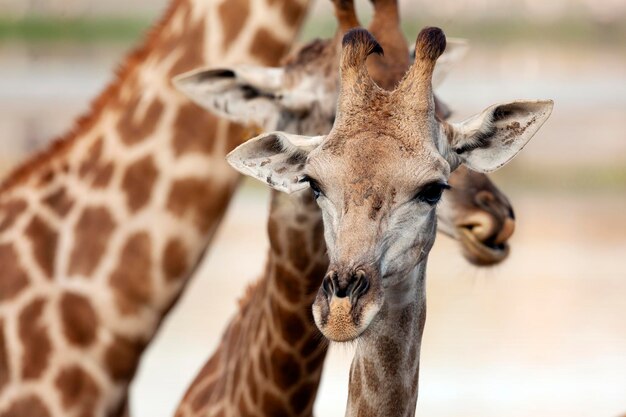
(327, 284)
(360, 286)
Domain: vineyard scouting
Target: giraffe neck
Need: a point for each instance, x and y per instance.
(271, 356)
(99, 235)
(385, 370)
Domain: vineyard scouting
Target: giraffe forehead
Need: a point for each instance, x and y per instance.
(379, 172)
(370, 148)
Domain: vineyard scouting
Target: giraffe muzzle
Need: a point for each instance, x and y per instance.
(346, 303)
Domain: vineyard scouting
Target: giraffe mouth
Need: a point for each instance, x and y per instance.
(482, 253)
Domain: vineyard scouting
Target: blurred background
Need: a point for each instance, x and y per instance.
(543, 334)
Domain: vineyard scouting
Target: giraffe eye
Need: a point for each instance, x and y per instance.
(431, 193)
(315, 187)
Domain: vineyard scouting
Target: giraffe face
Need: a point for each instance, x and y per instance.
(379, 175)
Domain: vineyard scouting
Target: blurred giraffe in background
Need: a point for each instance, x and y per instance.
(270, 358)
(100, 233)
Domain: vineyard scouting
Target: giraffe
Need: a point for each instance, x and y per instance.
(100, 233)
(270, 358)
(377, 178)
(301, 97)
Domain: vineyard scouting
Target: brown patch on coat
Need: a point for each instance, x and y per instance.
(237, 134)
(198, 201)
(291, 326)
(102, 175)
(174, 260)
(122, 358)
(4, 359)
(298, 253)
(236, 377)
(132, 279)
(233, 15)
(365, 410)
(44, 243)
(313, 343)
(78, 389)
(273, 232)
(79, 319)
(274, 406)
(405, 321)
(371, 376)
(263, 367)
(196, 129)
(242, 406)
(92, 233)
(138, 182)
(287, 369)
(9, 212)
(390, 354)
(202, 396)
(59, 201)
(267, 48)
(28, 406)
(287, 283)
(316, 362)
(302, 399)
(414, 354)
(292, 11)
(252, 384)
(35, 341)
(356, 386)
(133, 129)
(45, 177)
(14, 278)
(92, 159)
(193, 51)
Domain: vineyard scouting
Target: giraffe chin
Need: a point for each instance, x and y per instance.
(341, 321)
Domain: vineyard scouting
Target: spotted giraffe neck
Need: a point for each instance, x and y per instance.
(99, 235)
(384, 374)
(270, 359)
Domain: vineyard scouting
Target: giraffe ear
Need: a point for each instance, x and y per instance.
(456, 49)
(489, 140)
(243, 94)
(249, 95)
(276, 158)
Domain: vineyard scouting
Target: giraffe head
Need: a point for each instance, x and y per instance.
(379, 174)
(301, 98)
